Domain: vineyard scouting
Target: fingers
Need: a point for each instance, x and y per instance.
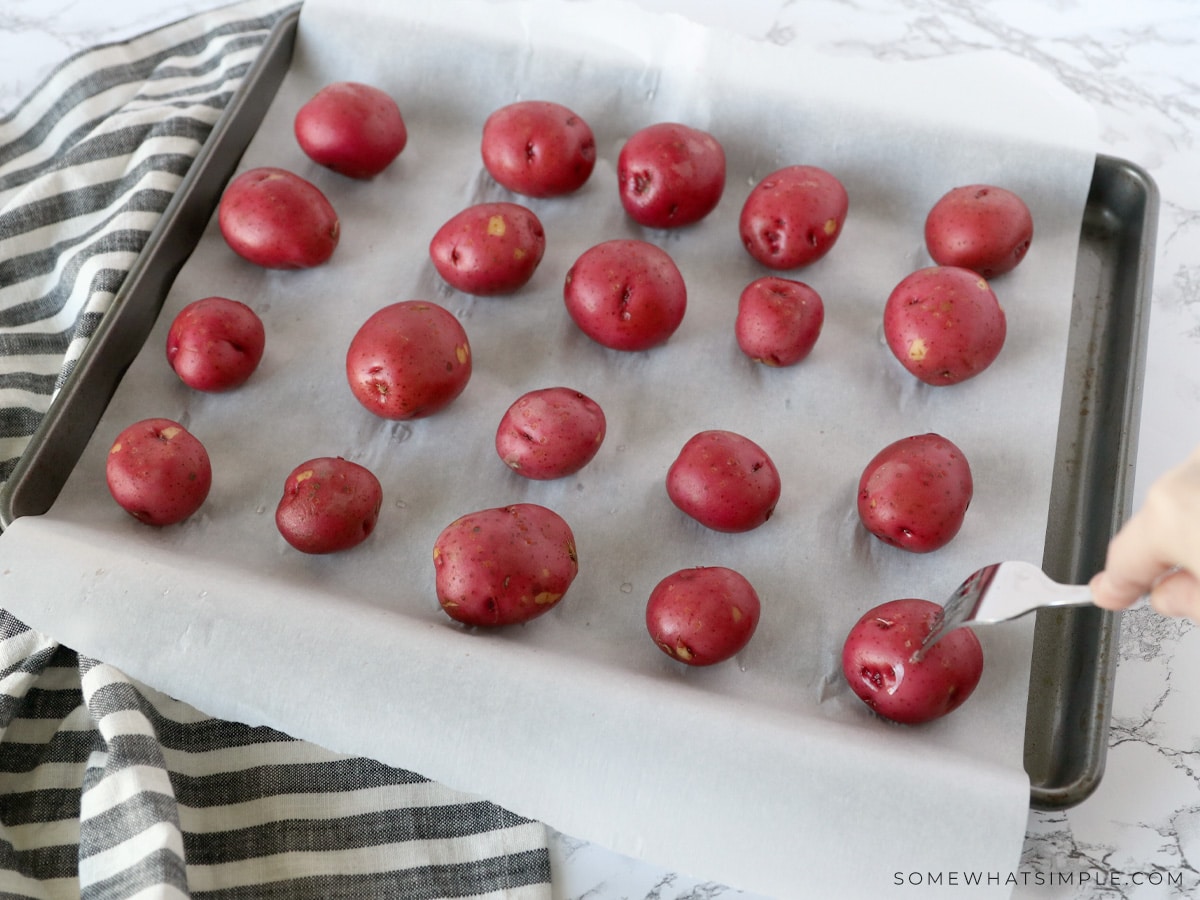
(1109, 593)
(1133, 564)
(1178, 594)
(1162, 537)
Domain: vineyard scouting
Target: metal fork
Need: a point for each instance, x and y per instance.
(998, 593)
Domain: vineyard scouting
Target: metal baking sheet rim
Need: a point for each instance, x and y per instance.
(1067, 718)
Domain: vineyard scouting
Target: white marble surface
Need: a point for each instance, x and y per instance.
(1138, 836)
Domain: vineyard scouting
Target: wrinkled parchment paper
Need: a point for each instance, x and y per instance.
(764, 772)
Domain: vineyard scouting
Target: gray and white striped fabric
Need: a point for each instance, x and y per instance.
(109, 788)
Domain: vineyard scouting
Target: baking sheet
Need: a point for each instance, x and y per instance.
(1075, 651)
(233, 607)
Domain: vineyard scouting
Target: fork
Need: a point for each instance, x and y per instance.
(998, 593)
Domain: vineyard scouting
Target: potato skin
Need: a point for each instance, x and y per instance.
(981, 227)
(778, 320)
(278, 220)
(914, 493)
(877, 663)
(215, 344)
(408, 360)
(626, 294)
(670, 175)
(538, 148)
(489, 248)
(329, 504)
(158, 471)
(550, 433)
(704, 615)
(793, 217)
(352, 128)
(504, 565)
(724, 481)
(944, 324)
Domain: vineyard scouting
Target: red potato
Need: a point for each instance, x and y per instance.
(504, 565)
(793, 217)
(550, 433)
(914, 493)
(158, 471)
(354, 129)
(670, 175)
(980, 227)
(944, 324)
(408, 360)
(626, 294)
(489, 248)
(329, 504)
(702, 616)
(538, 148)
(724, 481)
(778, 320)
(276, 219)
(215, 344)
(877, 663)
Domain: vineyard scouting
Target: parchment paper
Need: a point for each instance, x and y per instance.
(764, 772)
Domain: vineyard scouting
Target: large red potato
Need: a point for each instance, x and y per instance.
(329, 504)
(489, 248)
(724, 481)
(550, 433)
(352, 128)
(793, 217)
(538, 148)
(158, 471)
(980, 227)
(215, 344)
(778, 320)
(626, 294)
(877, 663)
(504, 565)
(408, 360)
(914, 493)
(670, 175)
(276, 219)
(702, 616)
(944, 324)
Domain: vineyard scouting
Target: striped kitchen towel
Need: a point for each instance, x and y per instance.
(109, 788)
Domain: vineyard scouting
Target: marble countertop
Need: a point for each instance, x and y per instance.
(1138, 835)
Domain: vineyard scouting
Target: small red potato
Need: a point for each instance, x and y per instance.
(550, 433)
(724, 481)
(778, 320)
(793, 217)
(354, 129)
(276, 219)
(505, 565)
(538, 148)
(158, 471)
(914, 493)
(670, 175)
(877, 663)
(215, 344)
(329, 504)
(489, 248)
(626, 294)
(408, 360)
(980, 227)
(944, 324)
(702, 616)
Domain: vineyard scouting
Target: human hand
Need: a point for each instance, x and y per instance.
(1157, 552)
